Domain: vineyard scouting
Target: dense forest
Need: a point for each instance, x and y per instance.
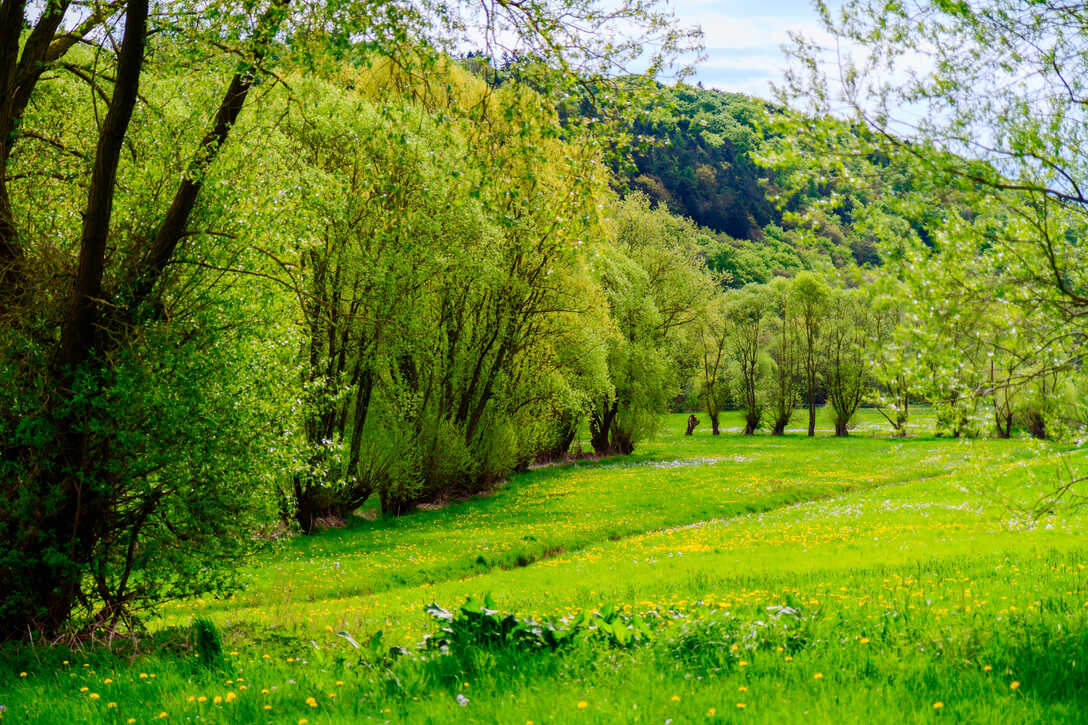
(260, 265)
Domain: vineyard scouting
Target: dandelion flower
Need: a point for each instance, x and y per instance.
(311, 702)
(818, 676)
(987, 668)
(582, 705)
(1015, 685)
(711, 711)
(741, 706)
(676, 698)
(938, 705)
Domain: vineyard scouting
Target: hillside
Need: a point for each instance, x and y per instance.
(698, 161)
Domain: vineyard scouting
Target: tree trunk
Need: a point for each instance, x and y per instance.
(841, 429)
(811, 415)
(692, 422)
(81, 477)
(780, 426)
(621, 444)
(714, 429)
(81, 325)
(1037, 425)
(600, 426)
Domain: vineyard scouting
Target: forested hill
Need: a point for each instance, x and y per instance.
(696, 153)
(697, 161)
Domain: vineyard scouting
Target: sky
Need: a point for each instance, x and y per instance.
(744, 40)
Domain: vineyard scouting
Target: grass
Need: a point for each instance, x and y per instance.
(916, 589)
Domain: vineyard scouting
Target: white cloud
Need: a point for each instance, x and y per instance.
(744, 40)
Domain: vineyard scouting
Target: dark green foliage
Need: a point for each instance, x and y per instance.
(697, 161)
(163, 504)
(477, 625)
(207, 642)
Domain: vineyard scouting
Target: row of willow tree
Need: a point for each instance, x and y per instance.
(809, 340)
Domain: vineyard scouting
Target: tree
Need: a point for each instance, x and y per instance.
(784, 352)
(844, 355)
(368, 224)
(656, 285)
(710, 346)
(894, 362)
(966, 101)
(110, 471)
(810, 295)
(987, 99)
(746, 331)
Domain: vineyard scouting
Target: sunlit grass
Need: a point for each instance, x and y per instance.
(924, 591)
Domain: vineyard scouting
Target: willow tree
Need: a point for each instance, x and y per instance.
(710, 345)
(845, 359)
(747, 338)
(379, 197)
(896, 363)
(657, 284)
(810, 296)
(783, 350)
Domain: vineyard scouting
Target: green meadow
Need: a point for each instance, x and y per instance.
(702, 579)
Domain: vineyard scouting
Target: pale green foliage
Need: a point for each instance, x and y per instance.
(895, 364)
(971, 116)
(452, 325)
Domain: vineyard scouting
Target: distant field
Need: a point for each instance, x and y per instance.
(789, 579)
